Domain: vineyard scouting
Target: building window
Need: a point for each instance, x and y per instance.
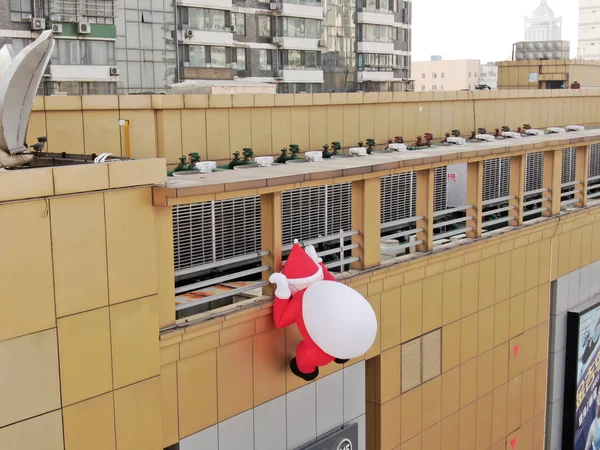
(469, 74)
(423, 87)
(84, 52)
(376, 33)
(292, 88)
(20, 10)
(434, 75)
(423, 75)
(265, 59)
(442, 87)
(434, 87)
(298, 27)
(442, 74)
(299, 59)
(241, 58)
(20, 44)
(239, 23)
(205, 56)
(99, 11)
(206, 19)
(475, 75)
(264, 26)
(377, 62)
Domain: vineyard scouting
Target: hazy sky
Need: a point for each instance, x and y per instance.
(480, 29)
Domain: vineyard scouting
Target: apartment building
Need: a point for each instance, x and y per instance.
(589, 33)
(300, 45)
(84, 55)
(543, 25)
(445, 75)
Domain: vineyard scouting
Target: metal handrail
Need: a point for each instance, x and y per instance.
(594, 178)
(498, 200)
(536, 191)
(500, 220)
(575, 191)
(403, 233)
(570, 183)
(452, 233)
(452, 210)
(395, 223)
(401, 247)
(452, 222)
(569, 202)
(213, 281)
(533, 202)
(221, 295)
(322, 239)
(534, 211)
(215, 264)
(497, 210)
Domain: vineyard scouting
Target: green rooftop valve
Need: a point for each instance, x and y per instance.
(337, 146)
(194, 158)
(326, 152)
(281, 159)
(294, 149)
(370, 145)
(248, 154)
(236, 161)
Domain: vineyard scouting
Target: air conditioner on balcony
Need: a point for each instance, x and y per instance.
(322, 43)
(279, 75)
(189, 33)
(38, 24)
(275, 6)
(277, 40)
(83, 28)
(113, 71)
(57, 28)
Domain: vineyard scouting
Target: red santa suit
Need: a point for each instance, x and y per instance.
(336, 323)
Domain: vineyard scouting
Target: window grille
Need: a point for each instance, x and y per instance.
(440, 188)
(309, 213)
(534, 171)
(398, 196)
(594, 169)
(496, 178)
(568, 165)
(212, 231)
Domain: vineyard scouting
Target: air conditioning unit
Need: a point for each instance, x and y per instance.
(277, 40)
(314, 156)
(38, 24)
(511, 135)
(279, 75)
(83, 28)
(575, 128)
(322, 43)
(114, 71)
(264, 161)
(485, 137)
(556, 130)
(397, 147)
(358, 151)
(456, 140)
(275, 6)
(533, 132)
(189, 33)
(57, 28)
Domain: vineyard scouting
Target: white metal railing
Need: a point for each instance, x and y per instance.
(593, 187)
(340, 248)
(568, 191)
(403, 229)
(440, 226)
(533, 201)
(501, 207)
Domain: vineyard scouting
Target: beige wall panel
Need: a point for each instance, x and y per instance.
(411, 310)
(193, 132)
(396, 122)
(487, 282)
(269, 365)
(240, 129)
(366, 124)
(169, 135)
(390, 318)
(451, 297)
(42, 432)
(470, 290)
(510, 114)
(485, 332)
(513, 420)
(503, 272)
(281, 129)
(168, 392)
(135, 355)
(499, 413)
(318, 127)
(26, 256)
(501, 118)
(501, 322)
(469, 117)
(142, 133)
(447, 117)
(335, 125)
(410, 419)
(517, 311)
(484, 421)
(468, 382)
(450, 392)
(435, 119)
(130, 230)
(423, 118)
(389, 375)
(485, 373)
(37, 126)
(530, 309)
(490, 117)
(532, 265)
(85, 355)
(80, 273)
(165, 261)
(409, 122)
(30, 382)
(450, 346)
(382, 122)
(500, 364)
(432, 438)
(544, 105)
(300, 131)
(90, 425)
(432, 303)
(528, 395)
(101, 132)
(217, 135)
(450, 432)
(234, 378)
(468, 338)
(261, 131)
(458, 115)
(468, 437)
(432, 402)
(388, 418)
(65, 131)
(138, 417)
(197, 401)
(351, 126)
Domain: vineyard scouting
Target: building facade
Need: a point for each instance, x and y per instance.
(445, 75)
(543, 25)
(301, 45)
(488, 75)
(548, 74)
(588, 46)
(84, 56)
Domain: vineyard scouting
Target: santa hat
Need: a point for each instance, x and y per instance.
(301, 268)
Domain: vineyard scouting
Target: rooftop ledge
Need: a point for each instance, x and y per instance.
(286, 176)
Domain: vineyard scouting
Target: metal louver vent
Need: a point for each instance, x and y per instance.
(440, 188)
(534, 171)
(569, 157)
(398, 196)
(308, 213)
(432, 354)
(496, 178)
(594, 169)
(212, 231)
(411, 364)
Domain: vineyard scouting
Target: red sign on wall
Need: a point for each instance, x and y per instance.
(452, 176)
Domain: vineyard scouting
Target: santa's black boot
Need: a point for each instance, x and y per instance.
(340, 361)
(304, 376)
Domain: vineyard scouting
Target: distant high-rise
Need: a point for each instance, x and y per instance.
(543, 25)
(589, 33)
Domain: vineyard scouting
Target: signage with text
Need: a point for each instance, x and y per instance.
(343, 439)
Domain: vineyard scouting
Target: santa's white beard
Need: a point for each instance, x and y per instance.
(338, 319)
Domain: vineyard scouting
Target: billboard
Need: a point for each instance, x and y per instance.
(581, 420)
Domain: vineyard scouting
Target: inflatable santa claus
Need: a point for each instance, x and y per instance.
(335, 321)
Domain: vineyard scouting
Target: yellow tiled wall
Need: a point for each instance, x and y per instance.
(215, 126)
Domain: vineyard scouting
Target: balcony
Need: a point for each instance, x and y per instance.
(217, 4)
(81, 73)
(300, 10)
(375, 47)
(207, 73)
(201, 37)
(302, 75)
(375, 75)
(297, 43)
(375, 17)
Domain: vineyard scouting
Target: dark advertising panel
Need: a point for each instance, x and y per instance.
(345, 438)
(581, 421)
